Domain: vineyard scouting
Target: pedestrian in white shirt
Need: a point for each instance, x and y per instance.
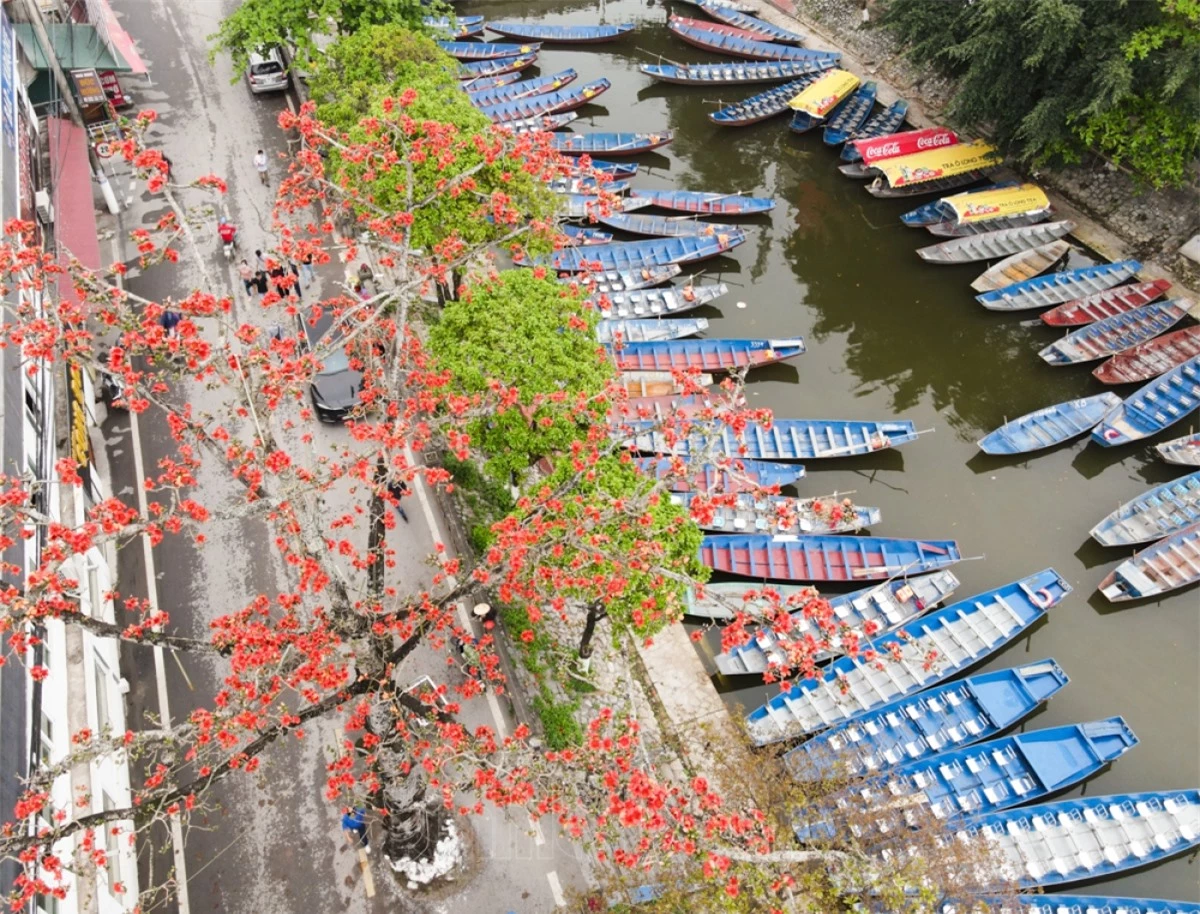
(260, 165)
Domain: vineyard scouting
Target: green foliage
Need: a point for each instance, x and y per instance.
(256, 23)
(559, 726)
(485, 499)
(535, 653)
(532, 335)
(460, 166)
(1050, 79)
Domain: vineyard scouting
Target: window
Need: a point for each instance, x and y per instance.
(95, 593)
(102, 678)
(112, 845)
(45, 741)
(47, 904)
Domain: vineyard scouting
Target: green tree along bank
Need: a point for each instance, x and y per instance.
(1054, 79)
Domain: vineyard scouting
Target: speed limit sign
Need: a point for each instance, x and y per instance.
(104, 150)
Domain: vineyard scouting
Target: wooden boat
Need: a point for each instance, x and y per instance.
(1115, 334)
(642, 384)
(821, 107)
(656, 302)
(934, 170)
(483, 50)
(717, 601)
(959, 635)
(613, 169)
(706, 204)
(737, 46)
(992, 209)
(1183, 451)
(1047, 427)
(1084, 838)
(611, 282)
(1056, 288)
(1021, 266)
(1150, 359)
(825, 558)
(479, 83)
(962, 230)
(510, 92)
(646, 331)
(1171, 563)
(878, 188)
(578, 235)
(734, 73)
(610, 144)
(1166, 400)
(938, 211)
(710, 29)
(457, 27)
(1161, 511)
(783, 514)
(883, 608)
(883, 124)
(787, 439)
(853, 115)
(918, 727)
(500, 66)
(706, 355)
(548, 103)
(759, 28)
(1095, 904)
(990, 776)
(634, 255)
(1104, 304)
(588, 186)
(738, 475)
(561, 34)
(762, 106)
(1000, 243)
(586, 206)
(538, 123)
(663, 226)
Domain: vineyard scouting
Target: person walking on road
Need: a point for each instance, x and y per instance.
(306, 267)
(247, 276)
(169, 321)
(260, 165)
(354, 826)
(398, 490)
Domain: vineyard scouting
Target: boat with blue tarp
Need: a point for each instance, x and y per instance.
(1168, 399)
(921, 726)
(959, 635)
(850, 116)
(1050, 425)
(738, 475)
(786, 439)
(561, 34)
(1161, 511)
(739, 73)
(1056, 288)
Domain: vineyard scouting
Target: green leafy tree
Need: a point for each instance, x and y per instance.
(529, 335)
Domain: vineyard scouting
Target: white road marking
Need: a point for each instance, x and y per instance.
(556, 889)
(539, 837)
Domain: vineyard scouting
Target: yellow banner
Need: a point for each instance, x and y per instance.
(932, 164)
(824, 95)
(992, 204)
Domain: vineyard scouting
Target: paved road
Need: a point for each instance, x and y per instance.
(270, 845)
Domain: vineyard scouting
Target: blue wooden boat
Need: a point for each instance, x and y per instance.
(709, 355)
(802, 121)
(840, 126)
(644, 331)
(1111, 335)
(509, 92)
(498, 67)
(479, 83)
(1183, 451)
(1171, 563)
(1049, 426)
(958, 636)
(932, 213)
(883, 608)
(610, 144)
(584, 206)
(561, 34)
(1160, 404)
(1085, 838)
(738, 476)
(749, 23)
(615, 169)
(756, 513)
(663, 226)
(705, 203)
(918, 727)
(1163, 510)
(656, 302)
(458, 26)
(885, 123)
(738, 46)
(1056, 288)
(580, 235)
(739, 73)
(588, 186)
(483, 50)
(762, 106)
(787, 439)
(1095, 904)
(634, 255)
(825, 558)
(547, 103)
(611, 282)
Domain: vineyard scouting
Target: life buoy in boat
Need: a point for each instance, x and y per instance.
(1111, 434)
(1042, 598)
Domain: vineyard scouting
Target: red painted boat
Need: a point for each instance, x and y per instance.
(1151, 358)
(705, 354)
(714, 28)
(1104, 304)
(825, 558)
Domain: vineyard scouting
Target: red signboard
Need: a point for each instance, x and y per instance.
(902, 144)
(112, 88)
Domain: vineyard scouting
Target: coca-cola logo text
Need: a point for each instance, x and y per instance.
(932, 142)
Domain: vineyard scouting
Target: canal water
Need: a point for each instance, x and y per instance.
(891, 336)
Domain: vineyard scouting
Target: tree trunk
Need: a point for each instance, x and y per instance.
(377, 533)
(595, 613)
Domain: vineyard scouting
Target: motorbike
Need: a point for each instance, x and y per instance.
(228, 234)
(112, 387)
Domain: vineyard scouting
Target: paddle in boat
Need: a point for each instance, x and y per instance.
(863, 152)
(1171, 563)
(656, 302)
(634, 255)
(918, 727)
(482, 50)
(825, 558)
(735, 475)
(1022, 266)
(990, 210)
(510, 92)
(561, 34)
(1183, 451)
(760, 28)
(760, 107)
(822, 99)
(724, 40)
(704, 203)
(1049, 426)
(1104, 304)
(663, 226)
(1056, 288)
(1161, 511)
(934, 170)
(1150, 359)
(993, 245)
(750, 513)
(610, 144)
(706, 355)
(786, 439)
(501, 66)
(850, 116)
(740, 73)
(1115, 334)
(1169, 398)
(645, 331)
(959, 635)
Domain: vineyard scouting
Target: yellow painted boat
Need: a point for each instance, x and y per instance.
(822, 96)
(995, 204)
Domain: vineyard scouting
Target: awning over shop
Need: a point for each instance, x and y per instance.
(823, 95)
(77, 47)
(938, 163)
(74, 210)
(993, 204)
(102, 16)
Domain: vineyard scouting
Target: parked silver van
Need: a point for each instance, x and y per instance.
(266, 71)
